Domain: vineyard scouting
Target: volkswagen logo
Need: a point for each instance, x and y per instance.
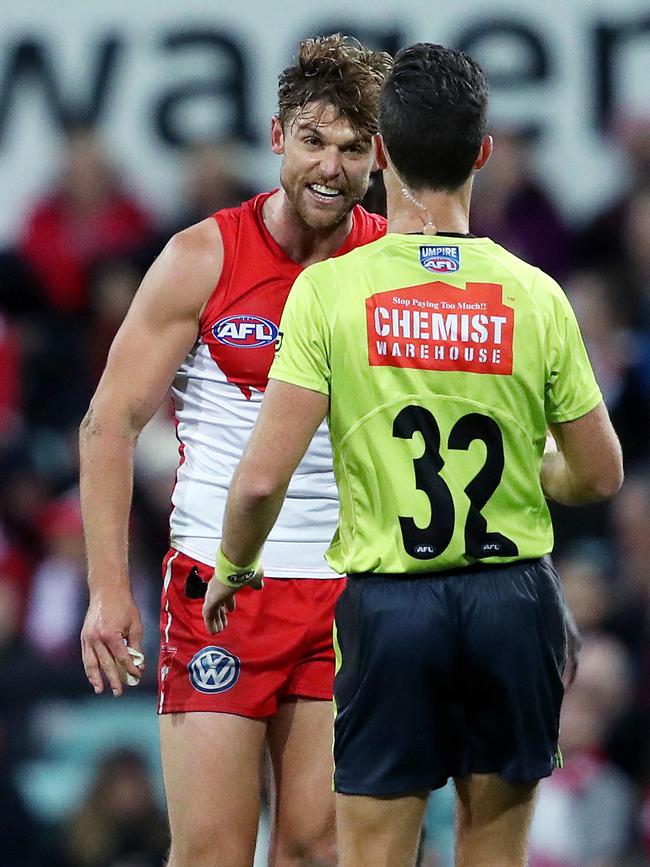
(213, 669)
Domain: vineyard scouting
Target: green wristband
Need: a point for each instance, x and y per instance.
(234, 576)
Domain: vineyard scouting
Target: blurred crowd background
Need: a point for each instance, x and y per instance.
(79, 775)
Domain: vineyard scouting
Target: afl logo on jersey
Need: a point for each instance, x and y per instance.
(440, 259)
(245, 331)
(213, 669)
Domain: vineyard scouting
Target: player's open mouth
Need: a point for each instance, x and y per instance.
(324, 193)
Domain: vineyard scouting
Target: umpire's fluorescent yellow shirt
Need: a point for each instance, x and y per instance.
(444, 359)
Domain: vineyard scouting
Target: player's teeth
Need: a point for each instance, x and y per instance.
(326, 191)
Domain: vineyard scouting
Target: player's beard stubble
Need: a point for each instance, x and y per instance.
(314, 214)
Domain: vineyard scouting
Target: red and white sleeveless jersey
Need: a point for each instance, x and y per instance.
(217, 394)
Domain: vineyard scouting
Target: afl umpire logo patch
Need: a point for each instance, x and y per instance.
(440, 259)
(213, 669)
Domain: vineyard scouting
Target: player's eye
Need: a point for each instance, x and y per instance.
(356, 149)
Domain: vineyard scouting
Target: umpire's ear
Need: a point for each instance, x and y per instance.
(484, 154)
(381, 162)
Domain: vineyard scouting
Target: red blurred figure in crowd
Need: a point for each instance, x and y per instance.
(10, 367)
(86, 216)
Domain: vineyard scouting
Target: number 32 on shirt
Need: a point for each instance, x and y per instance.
(425, 543)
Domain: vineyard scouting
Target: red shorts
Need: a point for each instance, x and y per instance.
(277, 645)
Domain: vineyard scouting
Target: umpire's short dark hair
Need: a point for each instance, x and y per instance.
(433, 115)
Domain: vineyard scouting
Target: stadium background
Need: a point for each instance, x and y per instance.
(120, 123)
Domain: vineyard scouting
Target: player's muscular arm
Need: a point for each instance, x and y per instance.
(588, 465)
(157, 333)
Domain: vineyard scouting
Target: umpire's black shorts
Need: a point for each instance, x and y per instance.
(448, 674)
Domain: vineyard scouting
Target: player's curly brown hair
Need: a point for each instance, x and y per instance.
(335, 71)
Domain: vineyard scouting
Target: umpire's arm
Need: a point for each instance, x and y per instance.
(288, 419)
(588, 465)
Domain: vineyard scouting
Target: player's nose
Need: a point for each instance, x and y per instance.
(330, 163)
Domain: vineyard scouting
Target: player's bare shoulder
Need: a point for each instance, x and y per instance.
(186, 272)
